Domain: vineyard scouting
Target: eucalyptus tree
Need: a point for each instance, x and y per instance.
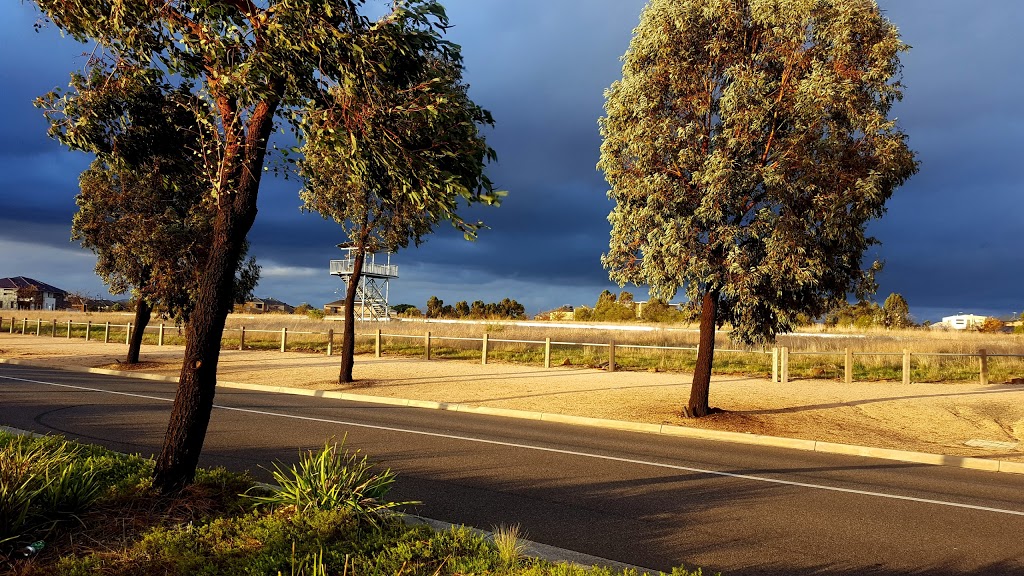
(249, 64)
(139, 209)
(747, 146)
(395, 152)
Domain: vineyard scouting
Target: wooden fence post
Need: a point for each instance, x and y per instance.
(128, 334)
(69, 328)
(284, 338)
(785, 365)
(906, 366)
(241, 339)
(547, 352)
(377, 351)
(106, 332)
(12, 324)
(426, 345)
(39, 324)
(330, 341)
(611, 356)
(483, 350)
(53, 331)
(848, 367)
(160, 335)
(983, 357)
(24, 326)
(88, 329)
(775, 364)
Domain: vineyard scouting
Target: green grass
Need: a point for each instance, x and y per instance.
(227, 525)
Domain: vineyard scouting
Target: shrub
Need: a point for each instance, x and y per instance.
(333, 478)
(509, 544)
(41, 480)
(992, 326)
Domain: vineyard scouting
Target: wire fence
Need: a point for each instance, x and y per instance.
(780, 364)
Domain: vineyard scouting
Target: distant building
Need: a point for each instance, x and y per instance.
(21, 293)
(962, 321)
(87, 304)
(262, 305)
(335, 308)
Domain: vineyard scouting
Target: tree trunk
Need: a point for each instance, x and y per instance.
(348, 339)
(190, 415)
(143, 312)
(242, 167)
(701, 387)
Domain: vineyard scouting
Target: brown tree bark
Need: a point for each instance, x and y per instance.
(348, 339)
(701, 387)
(240, 179)
(143, 312)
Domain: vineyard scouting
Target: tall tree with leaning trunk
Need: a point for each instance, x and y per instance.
(249, 64)
(747, 146)
(142, 207)
(393, 155)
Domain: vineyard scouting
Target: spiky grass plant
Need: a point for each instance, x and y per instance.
(510, 543)
(42, 480)
(333, 478)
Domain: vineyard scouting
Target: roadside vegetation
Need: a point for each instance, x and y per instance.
(815, 351)
(96, 511)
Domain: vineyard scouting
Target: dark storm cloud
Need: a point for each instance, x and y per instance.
(949, 239)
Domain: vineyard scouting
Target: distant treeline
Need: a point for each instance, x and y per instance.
(507, 309)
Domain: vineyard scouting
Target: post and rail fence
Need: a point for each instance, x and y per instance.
(779, 356)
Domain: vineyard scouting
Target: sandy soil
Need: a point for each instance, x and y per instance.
(937, 418)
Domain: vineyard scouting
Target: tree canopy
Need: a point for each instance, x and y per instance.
(747, 145)
(142, 206)
(248, 65)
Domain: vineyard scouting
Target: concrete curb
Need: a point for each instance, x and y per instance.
(966, 462)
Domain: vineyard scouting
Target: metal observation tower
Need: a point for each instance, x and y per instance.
(372, 285)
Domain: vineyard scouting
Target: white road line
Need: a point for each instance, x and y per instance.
(554, 451)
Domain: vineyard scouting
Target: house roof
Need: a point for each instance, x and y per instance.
(335, 304)
(23, 282)
(270, 302)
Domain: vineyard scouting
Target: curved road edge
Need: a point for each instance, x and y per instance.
(984, 464)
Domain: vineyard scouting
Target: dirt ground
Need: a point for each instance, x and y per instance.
(953, 419)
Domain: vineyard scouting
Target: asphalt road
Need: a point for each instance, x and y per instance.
(637, 498)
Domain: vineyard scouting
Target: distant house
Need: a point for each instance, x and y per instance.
(21, 293)
(86, 304)
(962, 321)
(335, 308)
(263, 305)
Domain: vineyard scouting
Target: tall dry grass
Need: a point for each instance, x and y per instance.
(815, 352)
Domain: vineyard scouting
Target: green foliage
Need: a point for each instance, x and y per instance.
(232, 540)
(657, 310)
(747, 146)
(895, 312)
(611, 309)
(246, 65)
(583, 314)
(413, 312)
(333, 478)
(144, 207)
(506, 309)
(47, 479)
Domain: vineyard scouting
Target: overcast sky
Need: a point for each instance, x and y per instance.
(951, 238)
